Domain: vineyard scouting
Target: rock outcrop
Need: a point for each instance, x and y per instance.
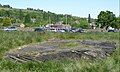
(63, 49)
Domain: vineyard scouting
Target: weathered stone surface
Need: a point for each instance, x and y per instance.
(63, 49)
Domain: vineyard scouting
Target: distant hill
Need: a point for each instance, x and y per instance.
(37, 17)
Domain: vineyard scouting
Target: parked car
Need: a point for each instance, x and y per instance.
(53, 30)
(39, 30)
(10, 29)
(80, 30)
(110, 29)
(61, 30)
(57, 30)
(74, 30)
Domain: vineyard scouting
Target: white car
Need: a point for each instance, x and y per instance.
(62, 31)
(10, 29)
(110, 29)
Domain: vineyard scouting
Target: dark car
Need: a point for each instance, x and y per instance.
(80, 30)
(111, 30)
(39, 30)
(75, 30)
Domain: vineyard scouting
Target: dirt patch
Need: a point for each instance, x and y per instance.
(63, 49)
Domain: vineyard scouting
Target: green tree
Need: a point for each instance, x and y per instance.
(8, 13)
(6, 21)
(13, 20)
(89, 19)
(27, 18)
(2, 12)
(1, 19)
(83, 23)
(0, 5)
(21, 15)
(116, 23)
(105, 18)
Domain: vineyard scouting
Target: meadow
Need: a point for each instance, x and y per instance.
(12, 40)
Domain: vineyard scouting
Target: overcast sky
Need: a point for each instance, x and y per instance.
(75, 7)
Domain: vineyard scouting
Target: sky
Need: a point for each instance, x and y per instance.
(79, 8)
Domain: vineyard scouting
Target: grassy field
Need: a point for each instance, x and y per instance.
(10, 40)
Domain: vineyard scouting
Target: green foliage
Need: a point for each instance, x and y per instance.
(13, 20)
(21, 15)
(27, 18)
(6, 21)
(9, 40)
(116, 23)
(105, 18)
(84, 24)
(40, 17)
(81, 24)
(1, 19)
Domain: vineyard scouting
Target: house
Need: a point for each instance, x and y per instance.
(22, 25)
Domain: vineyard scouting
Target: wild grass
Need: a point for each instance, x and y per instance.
(11, 40)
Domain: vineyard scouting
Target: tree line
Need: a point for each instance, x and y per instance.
(5, 6)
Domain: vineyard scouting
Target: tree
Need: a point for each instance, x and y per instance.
(27, 18)
(21, 15)
(6, 21)
(2, 13)
(29, 8)
(116, 23)
(83, 23)
(0, 5)
(89, 19)
(105, 18)
(13, 20)
(1, 19)
(8, 13)
(6, 6)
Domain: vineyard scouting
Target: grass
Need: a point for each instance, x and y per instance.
(11, 40)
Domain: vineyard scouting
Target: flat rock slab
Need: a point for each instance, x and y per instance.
(62, 49)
